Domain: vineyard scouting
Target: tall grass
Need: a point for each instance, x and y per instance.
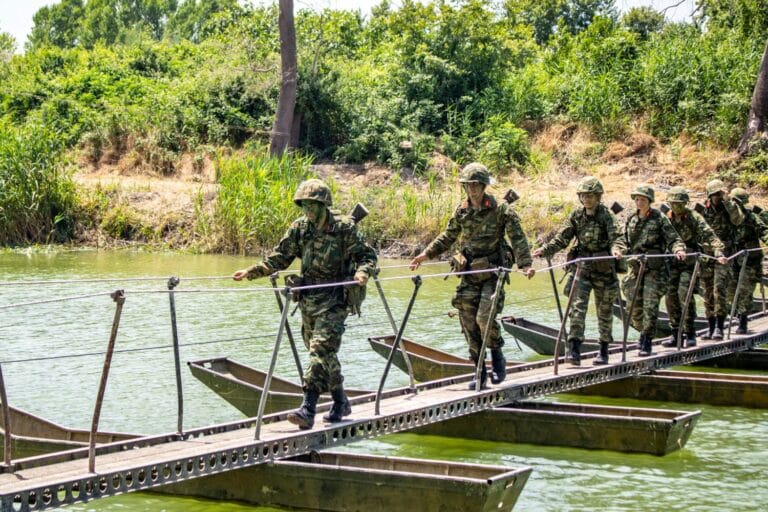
(37, 196)
(255, 202)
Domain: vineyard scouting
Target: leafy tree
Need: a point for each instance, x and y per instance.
(550, 16)
(643, 21)
(7, 46)
(191, 17)
(749, 17)
(58, 25)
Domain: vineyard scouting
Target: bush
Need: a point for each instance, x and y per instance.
(503, 146)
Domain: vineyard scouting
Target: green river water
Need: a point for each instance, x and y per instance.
(53, 354)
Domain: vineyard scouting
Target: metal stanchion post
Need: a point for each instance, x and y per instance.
(502, 274)
(272, 363)
(688, 297)
(288, 331)
(119, 297)
(396, 343)
(739, 283)
(6, 421)
(172, 283)
(395, 330)
(628, 314)
(554, 288)
(560, 332)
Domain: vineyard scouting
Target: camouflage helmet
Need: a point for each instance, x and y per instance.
(589, 185)
(740, 194)
(678, 195)
(644, 191)
(475, 173)
(313, 190)
(715, 186)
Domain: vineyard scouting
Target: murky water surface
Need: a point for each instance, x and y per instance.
(52, 355)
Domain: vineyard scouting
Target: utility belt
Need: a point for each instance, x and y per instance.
(650, 263)
(295, 280)
(606, 265)
(461, 262)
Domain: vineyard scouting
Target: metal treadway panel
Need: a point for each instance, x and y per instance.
(53, 480)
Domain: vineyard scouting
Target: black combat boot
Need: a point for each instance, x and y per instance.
(644, 345)
(575, 358)
(743, 319)
(672, 340)
(717, 334)
(341, 406)
(602, 358)
(712, 323)
(690, 338)
(483, 378)
(304, 416)
(499, 366)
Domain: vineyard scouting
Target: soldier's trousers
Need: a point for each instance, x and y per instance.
(322, 336)
(474, 299)
(714, 280)
(645, 310)
(750, 279)
(679, 280)
(606, 288)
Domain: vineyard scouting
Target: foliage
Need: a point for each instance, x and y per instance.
(37, 196)
(255, 202)
(747, 17)
(548, 17)
(643, 21)
(503, 146)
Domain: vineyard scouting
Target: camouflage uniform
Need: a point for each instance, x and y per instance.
(333, 253)
(479, 236)
(698, 237)
(649, 235)
(723, 220)
(749, 234)
(596, 235)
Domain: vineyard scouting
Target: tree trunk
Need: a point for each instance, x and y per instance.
(758, 111)
(286, 102)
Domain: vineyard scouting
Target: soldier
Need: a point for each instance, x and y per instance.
(748, 236)
(647, 232)
(723, 216)
(478, 227)
(331, 250)
(595, 230)
(698, 237)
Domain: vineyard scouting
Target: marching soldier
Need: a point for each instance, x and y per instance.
(723, 216)
(595, 230)
(698, 237)
(647, 232)
(749, 235)
(331, 250)
(478, 228)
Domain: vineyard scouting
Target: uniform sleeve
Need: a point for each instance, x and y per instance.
(621, 244)
(562, 238)
(361, 253)
(735, 214)
(708, 240)
(517, 239)
(446, 239)
(762, 229)
(672, 239)
(281, 256)
(613, 231)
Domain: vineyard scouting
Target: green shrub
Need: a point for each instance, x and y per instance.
(503, 146)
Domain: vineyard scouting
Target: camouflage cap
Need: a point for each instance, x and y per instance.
(313, 190)
(740, 194)
(589, 185)
(644, 191)
(715, 186)
(476, 173)
(678, 195)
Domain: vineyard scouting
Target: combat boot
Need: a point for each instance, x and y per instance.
(712, 323)
(717, 334)
(602, 358)
(575, 358)
(483, 378)
(304, 416)
(743, 319)
(690, 339)
(341, 406)
(671, 341)
(645, 345)
(499, 366)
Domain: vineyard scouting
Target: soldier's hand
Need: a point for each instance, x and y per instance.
(529, 272)
(362, 279)
(680, 255)
(722, 260)
(617, 254)
(415, 262)
(239, 275)
(537, 253)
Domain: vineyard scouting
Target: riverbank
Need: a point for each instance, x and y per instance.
(128, 205)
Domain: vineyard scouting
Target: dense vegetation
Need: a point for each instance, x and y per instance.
(159, 79)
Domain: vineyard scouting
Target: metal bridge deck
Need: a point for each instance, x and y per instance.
(50, 481)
